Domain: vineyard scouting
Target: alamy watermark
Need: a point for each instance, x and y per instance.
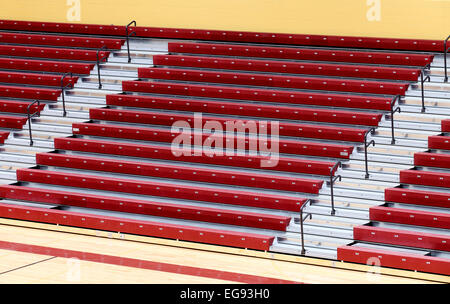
(74, 10)
(227, 138)
(374, 10)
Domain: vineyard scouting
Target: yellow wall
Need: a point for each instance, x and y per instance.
(429, 19)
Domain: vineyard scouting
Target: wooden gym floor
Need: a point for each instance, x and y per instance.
(41, 253)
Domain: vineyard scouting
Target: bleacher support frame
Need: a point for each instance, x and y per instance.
(366, 145)
(99, 60)
(127, 36)
(29, 116)
(302, 219)
(332, 180)
(446, 49)
(63, 88)
(422, 81)
(393, 111)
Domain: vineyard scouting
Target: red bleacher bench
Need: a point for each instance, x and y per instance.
(285, 129)
(35, 79)
(50, 52)
(238, 36)
(13, 106)
(3, 136)
(410, 217)
(446, 125)
(45, 66)
(209, 194)
(268, 95)
(192, 155)
(164, 135)
(304, 114)
(417, 197)
(10, 121)
(180, 172)
(439, 142)
(300, 53)
(29, 92)
(322, 69)
(196, 213)
(147, 228)
(401, 237)
(57, 40)
(280, 81)
(427, 178)
(432, 160)
(362, 255)
(229, 107)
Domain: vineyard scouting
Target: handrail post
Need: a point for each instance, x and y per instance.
(29, 116)
(422, 81)
(366, 145)
(303, 251)
(63, 88)
(393, 111)
(98, 64)
(445, 58)
(128, 38)
(332, 180)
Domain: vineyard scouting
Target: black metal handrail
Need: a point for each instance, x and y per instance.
(63, 88)
(422, 80)
(393, 111)
(446, 49)
(128, 34)
(302, 219)
(366, 145)
(332, 180)
(29, 116)
(99, 60)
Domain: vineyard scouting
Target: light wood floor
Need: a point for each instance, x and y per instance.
(22, 267)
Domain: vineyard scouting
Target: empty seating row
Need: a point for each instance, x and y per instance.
(438, 160)
(161, 189)
(13, 122)
(155, 229)
(29, 92)
(3, 136)
(14, 106)
(394, 259)
(268, 80)
(164, 135)
(285, 128)
(171, 171)
(417, 197)
(57, 40)
(426, 178)
(388, 58)
(45, 66)
(50, 52)
(402, 237)
(193, 155)
(410, 217)
(277, 38)
(265, 95)
(290, 67)
(222, 216)
(36, 79)
(304, 114)
(439, 142)
(446, 125)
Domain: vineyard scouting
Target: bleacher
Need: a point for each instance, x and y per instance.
(109, 163)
